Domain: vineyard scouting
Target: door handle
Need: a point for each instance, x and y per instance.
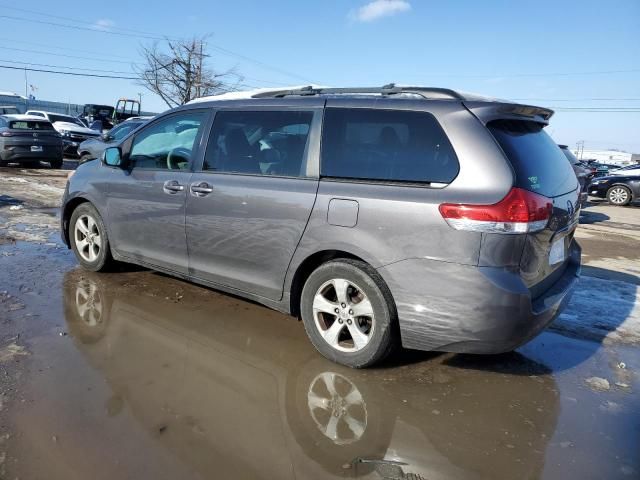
(201, 189)
(172, 186)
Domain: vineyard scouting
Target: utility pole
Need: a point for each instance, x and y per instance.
(26, 90)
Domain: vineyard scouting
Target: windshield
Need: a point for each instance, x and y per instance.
(65, 118)
(537, 161)
(122, 130)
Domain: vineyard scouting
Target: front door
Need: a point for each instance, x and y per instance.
(249, 204)
(146, 201)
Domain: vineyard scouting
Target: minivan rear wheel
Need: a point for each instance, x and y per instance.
(619, 195)
(88, 238)
(349, 313)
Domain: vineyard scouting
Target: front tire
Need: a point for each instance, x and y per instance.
(88, 238)
(619, 195)
(349, 313)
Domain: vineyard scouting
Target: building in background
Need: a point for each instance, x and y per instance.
(613, 157)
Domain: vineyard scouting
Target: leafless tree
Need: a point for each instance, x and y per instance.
(177, 72)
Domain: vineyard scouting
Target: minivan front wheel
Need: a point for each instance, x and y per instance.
(88, 237)
(348, 313)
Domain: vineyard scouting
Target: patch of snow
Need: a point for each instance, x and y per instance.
(10, 351)
(602, 310)
(598, 384)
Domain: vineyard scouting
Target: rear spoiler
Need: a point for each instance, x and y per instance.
(488, 111)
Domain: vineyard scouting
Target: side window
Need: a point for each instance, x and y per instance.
(36, 114)
(260, 143)
(168, 143)
(391, 145)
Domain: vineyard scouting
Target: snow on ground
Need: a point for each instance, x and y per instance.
(602, 310)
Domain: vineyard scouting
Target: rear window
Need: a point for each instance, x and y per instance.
(388, 145)
(30, 125)
(539, 164)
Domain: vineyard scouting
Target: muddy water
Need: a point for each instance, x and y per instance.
(137, 375)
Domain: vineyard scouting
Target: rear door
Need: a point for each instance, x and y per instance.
(250, 201)
(146, 202)
(540, 167)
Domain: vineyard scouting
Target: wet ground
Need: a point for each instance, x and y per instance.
(136, 375)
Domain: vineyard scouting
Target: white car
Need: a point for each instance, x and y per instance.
(628, 170)
(72, 129)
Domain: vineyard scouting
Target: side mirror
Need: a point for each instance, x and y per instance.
(112, 157)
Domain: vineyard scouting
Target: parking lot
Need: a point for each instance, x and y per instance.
(134, 374)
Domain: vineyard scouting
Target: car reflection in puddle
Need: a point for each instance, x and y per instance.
(234, 390)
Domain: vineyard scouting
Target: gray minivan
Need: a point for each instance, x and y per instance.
(389, 216)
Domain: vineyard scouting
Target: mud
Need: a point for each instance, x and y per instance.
(133, 374)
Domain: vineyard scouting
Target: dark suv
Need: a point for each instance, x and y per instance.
(383, 216)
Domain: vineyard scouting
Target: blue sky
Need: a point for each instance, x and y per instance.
(562, 54)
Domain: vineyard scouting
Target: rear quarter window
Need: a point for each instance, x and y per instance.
(538, 162)
(386, 145)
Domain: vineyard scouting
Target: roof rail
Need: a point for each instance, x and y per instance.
(390, 89)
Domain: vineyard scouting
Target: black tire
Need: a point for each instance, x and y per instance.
(613, 195)
(382, 338)
(103, 260)
(57, 164)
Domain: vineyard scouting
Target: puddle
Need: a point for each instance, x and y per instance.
(215, 387)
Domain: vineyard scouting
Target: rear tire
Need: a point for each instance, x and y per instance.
(349, 313)
(88, 239)
(619, 195)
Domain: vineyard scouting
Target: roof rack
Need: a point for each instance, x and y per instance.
(390, 89)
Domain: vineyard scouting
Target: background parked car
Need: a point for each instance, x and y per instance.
(584, 174)
(93, 147)
(27, 140)
(618, 189)
(628, 170)
(72, 129)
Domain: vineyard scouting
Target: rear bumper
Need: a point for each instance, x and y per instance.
(20, 153)
(469, 309)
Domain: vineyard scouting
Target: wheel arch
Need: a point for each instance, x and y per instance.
(306, 267)
(69, 207)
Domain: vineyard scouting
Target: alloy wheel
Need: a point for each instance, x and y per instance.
(618, 195)
(87, 238)
(343, 315)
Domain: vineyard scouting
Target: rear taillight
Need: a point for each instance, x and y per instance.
(520, 211)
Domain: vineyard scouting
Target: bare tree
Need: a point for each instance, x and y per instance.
(177, 72)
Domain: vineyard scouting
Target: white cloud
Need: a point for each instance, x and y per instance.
(379, 8)
(103, 24)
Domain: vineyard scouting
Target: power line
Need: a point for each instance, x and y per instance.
(60, 17)
(220, 49)
(75, 74)
(78, 27)
(48, 45)
(66, 67)
(64, 55)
